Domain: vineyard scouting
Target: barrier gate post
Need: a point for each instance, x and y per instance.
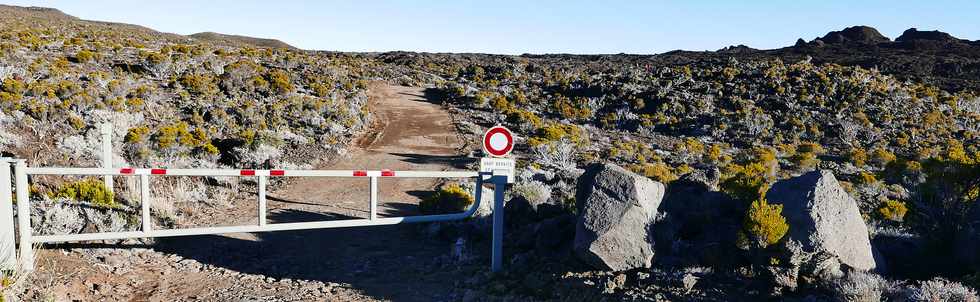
(496, 255)
(24, 216)
(8, 250)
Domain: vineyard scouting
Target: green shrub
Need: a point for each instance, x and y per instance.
(320, 89)
(745, 182)
(179, 134)
(556, 131)
(866, 178)
(279, 82)
(500, 104)
(209, 149)
(882, 157)
(764, 223)
(806, 155)
(90, 190)
(449, 199)
(522, 117)
(858, 156)
(657, 171)
(893, 210)
(14, 86)
(136, 134)
(200, 84)
(76, 121)
(84, 56)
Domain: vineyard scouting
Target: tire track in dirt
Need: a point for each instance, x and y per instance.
(409, 133)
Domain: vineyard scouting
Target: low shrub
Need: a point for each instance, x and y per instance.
(764, 223)
(450, 199)
(657, 171)
(534, 191)
(939, 289)
(556, 131)
(866, 178)
(279, 81)
(893, 210)
(881, 157)
(858, 156)
(136, 134)
(806, 155)
(89, 190)
(200, 84)
(84, 56)
(745, 182)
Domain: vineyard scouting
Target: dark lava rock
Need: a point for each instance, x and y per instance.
(967, 246)
(913, 34)
(738, 49)
(699, 226)
(855, 34)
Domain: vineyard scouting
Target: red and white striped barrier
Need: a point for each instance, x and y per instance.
(250, 172)
(28, 239)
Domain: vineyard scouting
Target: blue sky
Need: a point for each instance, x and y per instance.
(515, 27)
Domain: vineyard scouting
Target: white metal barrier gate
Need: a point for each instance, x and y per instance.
(27, 239)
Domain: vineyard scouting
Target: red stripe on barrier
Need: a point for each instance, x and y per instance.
(360, 173)
(158, 171)
(247, 173)
(277, 172)
(387, 172)
(126, 170)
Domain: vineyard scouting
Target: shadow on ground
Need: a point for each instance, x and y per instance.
(454, 161)
(393, 262)
(429, 95)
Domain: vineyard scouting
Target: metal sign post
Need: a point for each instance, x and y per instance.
(498, 142)
(497, 254)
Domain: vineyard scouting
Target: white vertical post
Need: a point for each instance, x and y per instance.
(8, 245)
(106, 129)
(374, 197)
(262, 202)
(145, 202)
(24, 217)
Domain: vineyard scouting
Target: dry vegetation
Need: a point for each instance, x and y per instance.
(907, 151)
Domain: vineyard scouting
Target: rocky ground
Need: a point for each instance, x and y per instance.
(842, 168)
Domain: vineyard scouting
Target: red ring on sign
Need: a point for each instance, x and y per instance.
(507, 135)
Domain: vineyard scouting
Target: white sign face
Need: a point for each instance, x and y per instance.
(499, 166)
(498, 141)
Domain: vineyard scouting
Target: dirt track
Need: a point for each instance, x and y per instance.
(410, 133)
(353, 264)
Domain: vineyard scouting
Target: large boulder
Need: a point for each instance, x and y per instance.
(616, 208)
(823, 218)
(967, 247)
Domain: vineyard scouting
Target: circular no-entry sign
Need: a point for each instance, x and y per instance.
(498, 141)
